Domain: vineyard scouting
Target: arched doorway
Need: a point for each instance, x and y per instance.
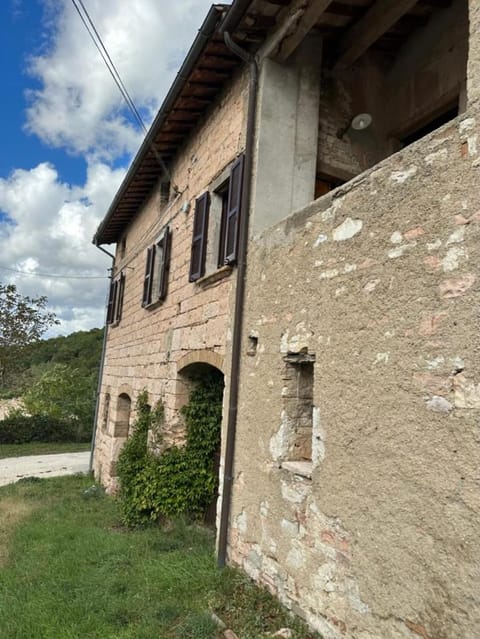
(202, 387)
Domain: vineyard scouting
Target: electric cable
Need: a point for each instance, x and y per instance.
(65, 277)
(98, 42)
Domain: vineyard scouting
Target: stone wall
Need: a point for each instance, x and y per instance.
(148, 347)
(377, 283)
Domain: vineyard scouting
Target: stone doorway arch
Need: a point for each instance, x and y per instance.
(192, 376)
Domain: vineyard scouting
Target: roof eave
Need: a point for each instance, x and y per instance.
(204, 34)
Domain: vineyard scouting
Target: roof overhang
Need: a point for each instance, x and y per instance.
(348, 27)
(207, 66)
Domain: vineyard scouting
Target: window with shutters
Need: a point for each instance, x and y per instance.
(216, 223)
(231, 214)
(200, 236)
(155, 283)
(115, 300)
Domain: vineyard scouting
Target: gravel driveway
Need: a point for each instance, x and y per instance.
(14, 468)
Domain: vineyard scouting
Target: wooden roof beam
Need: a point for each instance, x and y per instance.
(303, 15)
(377, 21)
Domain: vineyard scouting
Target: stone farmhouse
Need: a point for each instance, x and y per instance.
(304, 218)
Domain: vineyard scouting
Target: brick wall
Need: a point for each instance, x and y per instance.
(144, 348)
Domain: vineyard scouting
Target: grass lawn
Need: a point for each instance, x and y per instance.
(41, 448)
(68, 570)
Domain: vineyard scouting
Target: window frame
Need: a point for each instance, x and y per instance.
(115, 299)
(198, 253)
(155, 281)
(231, 224)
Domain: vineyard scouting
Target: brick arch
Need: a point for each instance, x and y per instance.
(201, 356)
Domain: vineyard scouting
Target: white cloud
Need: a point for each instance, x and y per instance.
(53, 227)
(78, 106)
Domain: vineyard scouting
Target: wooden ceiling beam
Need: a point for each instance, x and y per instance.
(308, 16)
(377, 21)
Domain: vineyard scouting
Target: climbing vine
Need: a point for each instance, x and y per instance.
(182, 479)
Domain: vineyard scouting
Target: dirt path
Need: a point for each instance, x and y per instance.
(14, 468)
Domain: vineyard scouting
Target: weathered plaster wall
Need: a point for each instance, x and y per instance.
(143, 350)
(379, 280)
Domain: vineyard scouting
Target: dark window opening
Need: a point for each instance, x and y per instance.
(427, 128)
(123, 247)
(164, 193)
(252, 345)
(325, 183)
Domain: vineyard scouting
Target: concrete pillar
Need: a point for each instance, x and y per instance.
(473, 73)
(286, 139)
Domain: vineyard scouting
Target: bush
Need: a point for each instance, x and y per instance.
(181, 480)
(21, 429)
(62, 392)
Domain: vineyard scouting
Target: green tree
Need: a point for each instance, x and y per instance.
(63, 393)
(23, 320)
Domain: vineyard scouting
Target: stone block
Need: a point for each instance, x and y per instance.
(467, 393)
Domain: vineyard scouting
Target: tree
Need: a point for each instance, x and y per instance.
(23, 320)
(63, 393)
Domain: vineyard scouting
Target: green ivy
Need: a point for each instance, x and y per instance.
(181, 480)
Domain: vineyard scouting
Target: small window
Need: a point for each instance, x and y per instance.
(298, 405)
(115, 299)
(123, 246)
(164, 194)
(199, 240)
(155, 282)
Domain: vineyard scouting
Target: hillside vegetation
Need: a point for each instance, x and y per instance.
(56, 380)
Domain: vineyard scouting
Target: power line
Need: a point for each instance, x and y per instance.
(64, 277)
(98, 42)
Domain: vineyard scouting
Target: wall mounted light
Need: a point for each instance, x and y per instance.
(359, 122)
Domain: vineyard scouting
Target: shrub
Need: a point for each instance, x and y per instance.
(21, 429)
(62, 392)
(181, 480)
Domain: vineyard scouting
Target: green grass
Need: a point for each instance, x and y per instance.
(41, 448)
(70, 571)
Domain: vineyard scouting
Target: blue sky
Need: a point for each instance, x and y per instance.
(21, 36)
(67, 138)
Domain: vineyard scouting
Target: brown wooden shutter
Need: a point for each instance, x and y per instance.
(119, 302)
(233, 211)
(199, 239)
(111, 302)
(164, 265)
(223, 226)
(148, 280)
